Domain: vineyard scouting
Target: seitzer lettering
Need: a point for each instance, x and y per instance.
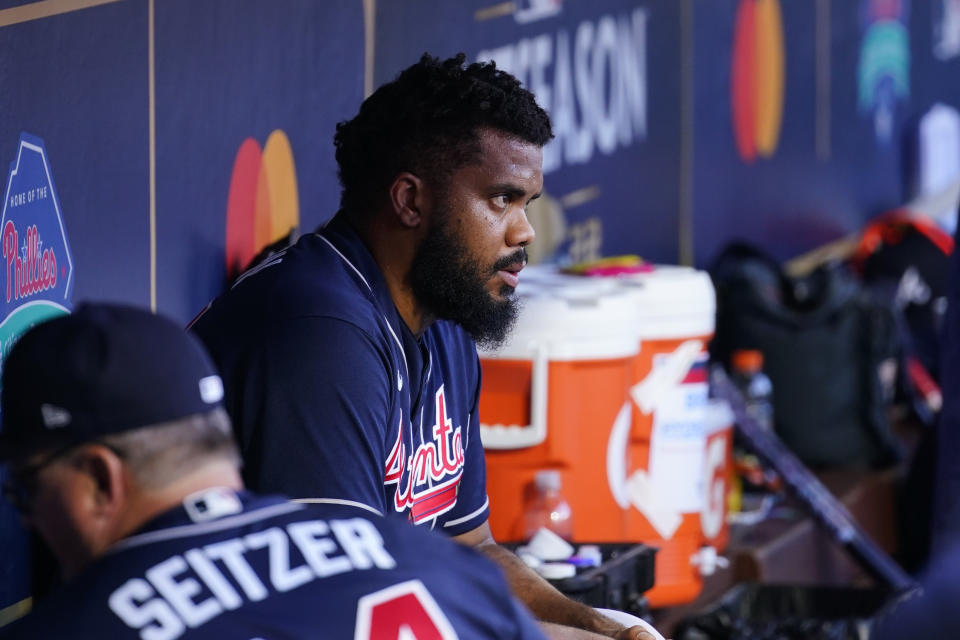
(189, 589)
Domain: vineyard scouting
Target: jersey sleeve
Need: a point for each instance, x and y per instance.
(473, 507)
(501, 614)
(315, 407)
(469, 588)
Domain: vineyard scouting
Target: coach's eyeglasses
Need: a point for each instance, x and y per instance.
(20, 487)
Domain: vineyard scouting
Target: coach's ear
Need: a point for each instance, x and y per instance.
(407, 199)
(107, 489)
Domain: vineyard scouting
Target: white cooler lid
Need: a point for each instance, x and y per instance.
(673, 302)
(577, 318)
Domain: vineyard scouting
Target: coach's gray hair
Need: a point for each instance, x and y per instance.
(160, 453)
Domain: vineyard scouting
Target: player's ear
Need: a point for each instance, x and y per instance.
(407, 193)
(106, 472)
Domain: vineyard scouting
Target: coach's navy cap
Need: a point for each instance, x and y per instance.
(104, 369)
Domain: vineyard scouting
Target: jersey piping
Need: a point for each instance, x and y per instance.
(453, 523)
(349, 503)
(389, 326)
(183, 531)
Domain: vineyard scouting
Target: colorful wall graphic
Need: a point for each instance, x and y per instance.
(262, 205)
(884, 70)
(37, 280)
(756, 78)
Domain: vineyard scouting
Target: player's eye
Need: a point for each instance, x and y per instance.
(501, 201)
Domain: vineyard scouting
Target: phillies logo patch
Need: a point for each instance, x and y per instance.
(427, 481)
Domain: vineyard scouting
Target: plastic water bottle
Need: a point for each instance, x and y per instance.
(754, 384)
(548, 508)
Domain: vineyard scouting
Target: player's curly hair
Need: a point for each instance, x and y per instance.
(427, 122)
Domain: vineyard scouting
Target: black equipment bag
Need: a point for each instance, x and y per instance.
(825, 343)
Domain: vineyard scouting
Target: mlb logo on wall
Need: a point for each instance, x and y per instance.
(37, 280)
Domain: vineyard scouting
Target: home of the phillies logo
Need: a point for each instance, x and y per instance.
(440, 460)
(37, 265)
(29, 270)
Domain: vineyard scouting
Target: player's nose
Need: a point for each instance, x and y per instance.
(520, 233)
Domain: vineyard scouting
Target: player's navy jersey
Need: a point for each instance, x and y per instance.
(228, 565)
(333, 397)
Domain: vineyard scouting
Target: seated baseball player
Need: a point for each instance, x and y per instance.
(349, 360)
(121, 457)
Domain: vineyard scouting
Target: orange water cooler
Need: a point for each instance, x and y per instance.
(551, 396)
(666, 484)
(626, 427)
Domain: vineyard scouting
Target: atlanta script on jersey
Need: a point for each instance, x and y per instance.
(228, 565)
(335, 399)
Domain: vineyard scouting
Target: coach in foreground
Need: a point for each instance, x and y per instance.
(121, 457)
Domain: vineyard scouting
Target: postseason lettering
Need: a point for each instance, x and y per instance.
(593, 81)
(30, 270)
(188, 590)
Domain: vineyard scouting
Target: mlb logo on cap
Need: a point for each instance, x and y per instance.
(211, 389)
(54, 417)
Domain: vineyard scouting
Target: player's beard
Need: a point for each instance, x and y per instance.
(452, 284)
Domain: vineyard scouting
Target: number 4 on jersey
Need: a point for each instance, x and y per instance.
(404, 611)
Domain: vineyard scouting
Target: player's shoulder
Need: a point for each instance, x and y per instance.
(308, 281)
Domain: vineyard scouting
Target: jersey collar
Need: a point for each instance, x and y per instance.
(351, 247)
(209, 504)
